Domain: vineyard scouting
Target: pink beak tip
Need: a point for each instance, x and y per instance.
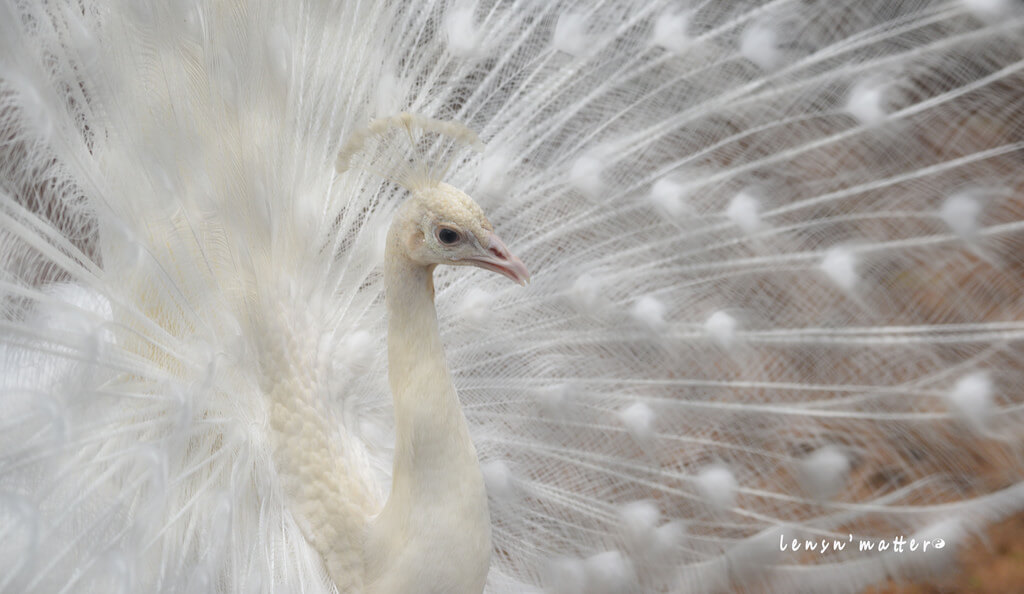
(505, 263)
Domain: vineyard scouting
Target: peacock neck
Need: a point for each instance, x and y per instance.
(437, 508)
(431, 432)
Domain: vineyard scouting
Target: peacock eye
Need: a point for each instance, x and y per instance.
(448, 236)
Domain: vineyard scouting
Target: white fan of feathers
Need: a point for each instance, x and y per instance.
(777, 277)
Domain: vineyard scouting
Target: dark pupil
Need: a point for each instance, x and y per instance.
(447, 236)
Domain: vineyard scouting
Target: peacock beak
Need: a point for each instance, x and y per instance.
(500, 260)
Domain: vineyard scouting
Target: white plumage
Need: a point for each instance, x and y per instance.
(775, 249)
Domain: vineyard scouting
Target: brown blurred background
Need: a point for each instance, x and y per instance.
(990, 564)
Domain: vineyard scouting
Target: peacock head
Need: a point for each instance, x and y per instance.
(440, 224)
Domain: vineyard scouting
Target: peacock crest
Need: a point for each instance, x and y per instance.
(411, 150)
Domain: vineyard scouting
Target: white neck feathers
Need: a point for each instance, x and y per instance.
(437, 509)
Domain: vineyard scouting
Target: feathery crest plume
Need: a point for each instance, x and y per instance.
(384, 148)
